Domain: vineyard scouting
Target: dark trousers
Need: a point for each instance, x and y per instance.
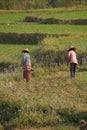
(72, 70)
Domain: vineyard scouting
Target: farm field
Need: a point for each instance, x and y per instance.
(16, 16)
(46, 99)
(44, 28)
(14, 21)
(50, 101)
(12, 52)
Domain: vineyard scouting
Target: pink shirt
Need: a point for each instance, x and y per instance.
(72, 57)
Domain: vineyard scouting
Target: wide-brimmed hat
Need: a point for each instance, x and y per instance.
(72, 48)
(25, 50)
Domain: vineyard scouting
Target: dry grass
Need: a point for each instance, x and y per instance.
(46, 98)
(41, 128)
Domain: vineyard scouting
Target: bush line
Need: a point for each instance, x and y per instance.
(56, 21)
(25, 38)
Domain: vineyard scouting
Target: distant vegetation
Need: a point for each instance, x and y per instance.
(28, 4)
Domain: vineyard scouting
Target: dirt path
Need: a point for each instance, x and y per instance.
(41, 128)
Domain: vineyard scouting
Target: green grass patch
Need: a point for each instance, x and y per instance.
(67, 127)
(63, 13)
(51, 50)
(12, 53)
(12, 17)
(19, 17)
(44, 28)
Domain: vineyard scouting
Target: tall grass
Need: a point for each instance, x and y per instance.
(53, 51)
(48, 100)
(50, 51)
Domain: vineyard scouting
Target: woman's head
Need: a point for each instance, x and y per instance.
(72, 48)
(25, 50)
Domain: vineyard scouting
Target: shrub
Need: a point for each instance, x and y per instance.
(9, 108)
(68, 114)
(55, 21)
(21, 38)
(32, 19)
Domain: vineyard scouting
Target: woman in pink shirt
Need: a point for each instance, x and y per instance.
(73, 61)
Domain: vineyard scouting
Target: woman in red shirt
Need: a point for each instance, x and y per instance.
(73, 61)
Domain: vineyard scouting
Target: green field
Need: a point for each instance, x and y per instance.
(14, 21)
(50, 101)
(59, 14)
(12, 52)
(51, 29)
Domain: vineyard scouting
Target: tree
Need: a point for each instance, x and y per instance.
(53, 3)
(27, 4)
(7, 4)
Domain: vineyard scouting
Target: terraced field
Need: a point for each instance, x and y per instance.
(50, 101)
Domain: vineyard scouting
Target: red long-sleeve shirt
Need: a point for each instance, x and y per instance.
(72, 57)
